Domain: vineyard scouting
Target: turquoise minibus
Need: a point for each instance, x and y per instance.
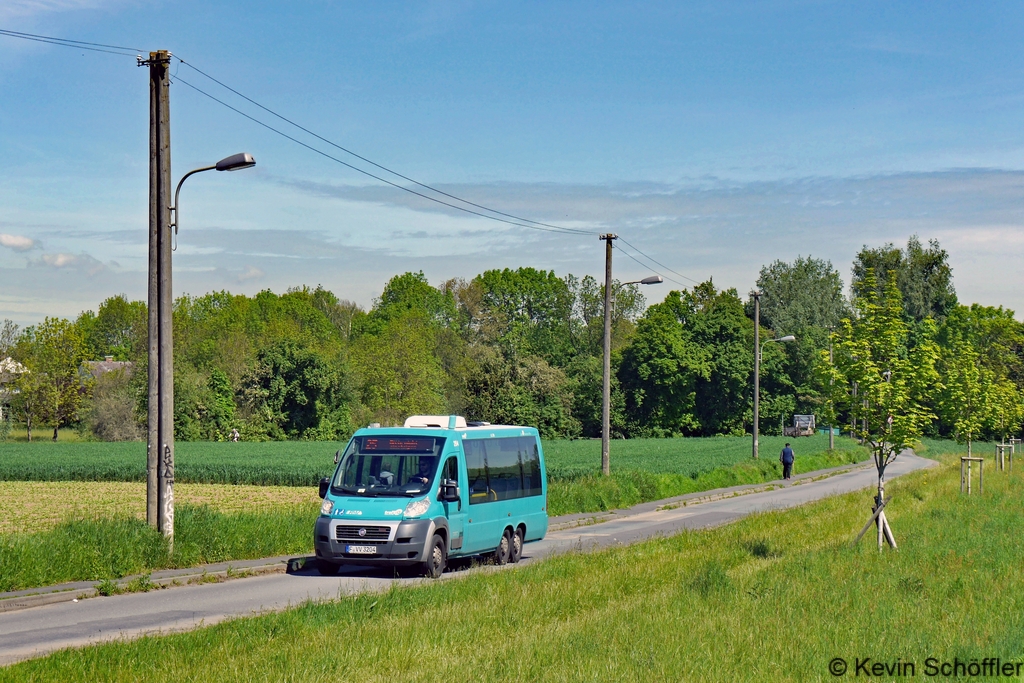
(437, 488)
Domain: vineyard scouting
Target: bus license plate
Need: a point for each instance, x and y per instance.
(361, 549)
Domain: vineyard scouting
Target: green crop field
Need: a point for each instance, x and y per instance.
(275, 463)
(778, 596)
(303, 463)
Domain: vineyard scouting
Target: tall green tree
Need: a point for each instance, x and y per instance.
(56, 349)
(661, 369)
(398, 371)
(527, 312)
(410, 292)
(923, 276)
(118, 329)
(807, 293)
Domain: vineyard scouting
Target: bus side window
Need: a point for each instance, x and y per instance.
(531, 466)
(476, 471)
(451, 469)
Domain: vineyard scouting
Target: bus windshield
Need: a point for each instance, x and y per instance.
(388, 465)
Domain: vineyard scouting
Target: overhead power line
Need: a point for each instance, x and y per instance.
(381, 166)
(372, 175)
(645, 265)
(77, 44)
(483, 212)
(656, 262)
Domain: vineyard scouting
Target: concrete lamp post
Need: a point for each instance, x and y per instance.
(160, 446)
(606, 394)
(757, 381)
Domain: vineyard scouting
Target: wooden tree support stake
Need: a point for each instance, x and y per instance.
(965, 473)
(878, 516)
(1002, 451)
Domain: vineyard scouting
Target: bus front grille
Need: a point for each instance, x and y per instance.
(351, 532)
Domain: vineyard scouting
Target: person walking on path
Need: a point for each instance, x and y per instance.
(786, 458)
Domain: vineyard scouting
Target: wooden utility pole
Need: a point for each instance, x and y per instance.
(606, 398)
(160, 446)
(757, 367)
(831, 427)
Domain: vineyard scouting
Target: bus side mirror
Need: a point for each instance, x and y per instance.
(337, 457)
(449, 491)
(325, 483)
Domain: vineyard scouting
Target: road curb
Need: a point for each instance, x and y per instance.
(168, 578)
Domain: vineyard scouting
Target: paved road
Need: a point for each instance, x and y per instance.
(37, 631)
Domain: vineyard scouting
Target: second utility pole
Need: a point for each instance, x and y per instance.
(606, 397)
(160, 447)
(757, 366)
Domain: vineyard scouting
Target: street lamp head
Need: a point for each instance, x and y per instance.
(787, 338)
(236, 162)
(652, 280)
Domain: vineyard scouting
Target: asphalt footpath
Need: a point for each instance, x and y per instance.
(39, 621)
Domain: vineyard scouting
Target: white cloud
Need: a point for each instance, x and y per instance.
(60, 260)
(80, 262)
(251, 273)
(16, 242)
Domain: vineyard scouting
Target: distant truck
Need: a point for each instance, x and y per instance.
(803, 425)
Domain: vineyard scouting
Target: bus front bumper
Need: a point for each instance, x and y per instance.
(407, 545)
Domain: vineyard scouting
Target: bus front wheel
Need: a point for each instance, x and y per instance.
(327, 568)
(433, 565)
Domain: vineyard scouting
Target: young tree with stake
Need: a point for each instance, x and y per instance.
(894, 380)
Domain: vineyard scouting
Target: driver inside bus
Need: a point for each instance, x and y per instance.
(426, 470)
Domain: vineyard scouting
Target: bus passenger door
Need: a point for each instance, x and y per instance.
(455, 511)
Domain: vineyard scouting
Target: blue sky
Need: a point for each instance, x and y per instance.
(716, 137)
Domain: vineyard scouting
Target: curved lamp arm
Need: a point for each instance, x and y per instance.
(174, 223)
(235, 162)
(787, 338)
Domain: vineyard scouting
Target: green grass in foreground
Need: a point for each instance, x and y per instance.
(773, 597)
(86, 550)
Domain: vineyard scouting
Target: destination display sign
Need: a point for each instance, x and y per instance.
(397, 444)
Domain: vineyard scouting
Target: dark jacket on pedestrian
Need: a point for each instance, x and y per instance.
(787, 456)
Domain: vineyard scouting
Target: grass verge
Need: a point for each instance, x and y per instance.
(90, 550)
(589, 492)
(777, 596)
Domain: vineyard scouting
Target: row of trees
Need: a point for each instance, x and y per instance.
(523, 346)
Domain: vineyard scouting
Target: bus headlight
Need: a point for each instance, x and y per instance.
(326, 508)
(417, 507)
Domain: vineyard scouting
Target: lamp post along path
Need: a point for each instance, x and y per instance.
(165, 364)
(606, 386)
(757, 366)
(758, 348)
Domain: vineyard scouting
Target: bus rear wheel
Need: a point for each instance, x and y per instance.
(516, 550)
(433, 565)
(504, 550)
